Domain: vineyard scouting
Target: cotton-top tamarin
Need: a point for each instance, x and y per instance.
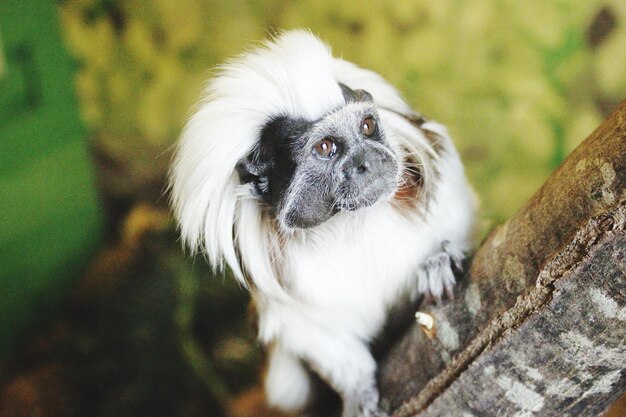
(329, 198)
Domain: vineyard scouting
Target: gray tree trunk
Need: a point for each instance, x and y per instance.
(538, 325)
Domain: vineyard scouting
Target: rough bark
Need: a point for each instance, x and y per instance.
(538, 325)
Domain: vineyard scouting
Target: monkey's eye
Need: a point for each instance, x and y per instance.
(325, 148)
(368, 126)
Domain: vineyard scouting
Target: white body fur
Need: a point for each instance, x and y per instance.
(322, 293)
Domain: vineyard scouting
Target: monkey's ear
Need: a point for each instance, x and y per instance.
(252, 171)
(351, 95)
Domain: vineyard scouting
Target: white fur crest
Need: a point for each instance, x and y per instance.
(294, 75)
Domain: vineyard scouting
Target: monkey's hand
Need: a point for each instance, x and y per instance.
(436, 273)
(369, 404)
(365, 404)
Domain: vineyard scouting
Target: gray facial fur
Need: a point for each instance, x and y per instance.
(304, 189)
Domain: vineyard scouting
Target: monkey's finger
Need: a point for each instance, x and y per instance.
(435, 281)
(458, 264)
(448, 281)
(422, 280)
(450, 293)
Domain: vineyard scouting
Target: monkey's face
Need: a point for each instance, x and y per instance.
(306, 171)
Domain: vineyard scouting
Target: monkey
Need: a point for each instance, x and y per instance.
(329, 199)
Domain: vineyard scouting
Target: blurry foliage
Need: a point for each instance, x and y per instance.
(143, 333)
(519, 84)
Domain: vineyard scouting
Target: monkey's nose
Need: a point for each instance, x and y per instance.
(361, 168)
(358, 164)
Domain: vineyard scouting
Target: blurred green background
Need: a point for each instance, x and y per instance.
(520, 84)
(93, 94)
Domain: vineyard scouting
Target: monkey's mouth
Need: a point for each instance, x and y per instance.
(355, 198)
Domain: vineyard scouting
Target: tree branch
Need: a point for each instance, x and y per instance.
(539, 323)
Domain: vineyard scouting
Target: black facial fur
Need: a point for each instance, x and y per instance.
(303, 189)
(270, 165)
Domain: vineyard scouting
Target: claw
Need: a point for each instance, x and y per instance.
(458, 265)
(456, 256)
(438, 300)
(428, 298)
(449, 293)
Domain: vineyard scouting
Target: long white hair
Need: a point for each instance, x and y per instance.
(295, 75)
